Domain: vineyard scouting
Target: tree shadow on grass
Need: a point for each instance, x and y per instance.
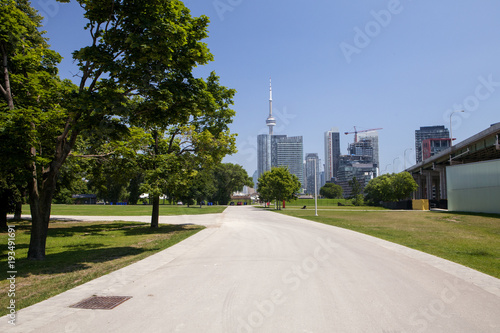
(78, 259)
(128, 228)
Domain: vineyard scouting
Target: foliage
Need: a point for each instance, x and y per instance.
(355, 187)
(359, 200)
(390, 187)
(403, 185)
(135, 71)
(9, 196)
(229, 178)
(278, 184)
(331, 191)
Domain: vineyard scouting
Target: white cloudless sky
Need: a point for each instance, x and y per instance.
(397, 65)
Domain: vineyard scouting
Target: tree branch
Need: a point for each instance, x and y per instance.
(94, 156)
(6, 91)
(171, 143)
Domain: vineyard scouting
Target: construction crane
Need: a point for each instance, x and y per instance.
(356, 132)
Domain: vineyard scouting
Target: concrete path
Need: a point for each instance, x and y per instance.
(258, 271)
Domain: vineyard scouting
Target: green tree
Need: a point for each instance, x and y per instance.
(201, 187)
(403, 185)
(70, 181)
(278, 184)
(229, 178)
(331, 191)
(33, 112)
(359, 200)
(379, 189)
(138, 63)
(390, 187)
(355, 187)
(9, 196)
(176, 156)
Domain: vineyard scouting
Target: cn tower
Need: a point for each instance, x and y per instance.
(271, 121)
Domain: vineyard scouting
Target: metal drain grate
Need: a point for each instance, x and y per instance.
(101, 302)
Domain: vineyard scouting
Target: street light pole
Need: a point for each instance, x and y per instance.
(315, 191)
(394, 164)
(386, 167)
(405, 156)
(451, 132)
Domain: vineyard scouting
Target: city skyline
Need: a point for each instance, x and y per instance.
(329, 71)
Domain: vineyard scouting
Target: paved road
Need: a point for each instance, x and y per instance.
(257, 271)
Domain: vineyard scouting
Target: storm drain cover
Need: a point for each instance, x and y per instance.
(101, 302)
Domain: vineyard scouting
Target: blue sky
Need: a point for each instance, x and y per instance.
(392, 64)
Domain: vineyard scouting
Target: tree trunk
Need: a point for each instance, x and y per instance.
(40, 206)
(41, 188)
(156, 198)
(156, 211)
(3, 220)
(39, 230)
(19, 210)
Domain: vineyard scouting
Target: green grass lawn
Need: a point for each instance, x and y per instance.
(325, 204)
(128, 210)
(78, 252)
(321, 202)
(472, 240)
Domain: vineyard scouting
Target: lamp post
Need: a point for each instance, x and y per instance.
(315, 191)
(386, 167)
(451, 132)
(394, 164)
(405, 156)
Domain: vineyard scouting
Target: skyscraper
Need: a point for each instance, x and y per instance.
(289, 153)
(279, 150)
(312, 165)
(372, 138)
(428, 132)
(332, 153)
(361, 162)
(263, 154)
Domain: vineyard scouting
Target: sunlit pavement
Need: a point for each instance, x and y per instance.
(257, 271)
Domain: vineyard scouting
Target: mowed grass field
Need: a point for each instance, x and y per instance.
(128, 210)
(472, 240)
(78, 252)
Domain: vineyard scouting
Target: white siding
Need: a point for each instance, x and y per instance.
(474, 187)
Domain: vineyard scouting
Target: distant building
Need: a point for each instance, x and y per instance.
(361, 167)
(428, 132)
(263, 154)
(332, 153)
(322, 181)
(288, 152)
(431, 147)
(361, 162)
(255, 178)
(312, 169)
(279, 150)
(372, 138)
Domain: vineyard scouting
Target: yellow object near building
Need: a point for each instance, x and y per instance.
(420, 204)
